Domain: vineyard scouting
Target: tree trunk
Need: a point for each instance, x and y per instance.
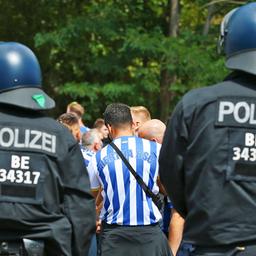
(211, 10)
(174, 18)
(165, 94)
(166, 78)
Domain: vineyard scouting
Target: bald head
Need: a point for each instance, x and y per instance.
(152, 130)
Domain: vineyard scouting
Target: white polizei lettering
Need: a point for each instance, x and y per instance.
(53, 143)
(9, 135)
(242, 112)
(225, 108)
(35, 139)
(252, 114)
(27, 138)
(246, 116)
(16, 139)
(47, 142)
(249, 139)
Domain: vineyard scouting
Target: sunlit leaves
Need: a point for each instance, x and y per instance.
(103, 51)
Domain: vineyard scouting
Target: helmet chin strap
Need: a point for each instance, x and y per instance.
(224, 31)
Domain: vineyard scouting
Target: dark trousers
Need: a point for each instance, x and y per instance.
(133, 241)
(93, 246)
(243, 249)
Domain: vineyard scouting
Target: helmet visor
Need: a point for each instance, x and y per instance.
(29, 98)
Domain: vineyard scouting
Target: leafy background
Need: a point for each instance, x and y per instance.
(139, 52)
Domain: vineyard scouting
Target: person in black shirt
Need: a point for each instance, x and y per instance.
(44, 187)
(208, 156)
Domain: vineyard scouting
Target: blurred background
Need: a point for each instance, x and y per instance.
(139, 52)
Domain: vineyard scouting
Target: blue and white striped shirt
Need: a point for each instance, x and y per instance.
(124, 201)
(87, 155)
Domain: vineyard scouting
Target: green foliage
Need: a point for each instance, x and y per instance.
(102, 51)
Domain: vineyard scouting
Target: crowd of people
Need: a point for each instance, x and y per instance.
(142, 137)
(206, 164)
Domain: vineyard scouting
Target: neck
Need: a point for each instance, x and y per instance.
(81, 122)
(119, 133)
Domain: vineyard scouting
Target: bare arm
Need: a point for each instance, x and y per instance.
(99, 205)
(161, 187)
(95, 192)
(175, 231)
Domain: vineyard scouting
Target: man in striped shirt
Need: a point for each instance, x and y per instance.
(129, 217)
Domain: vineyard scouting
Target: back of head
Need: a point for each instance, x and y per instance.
(118, 115)
(92, 140)
(238, 38)
(99, 123)
(20, 78)
(70, 120)
(140, 115)
(75, 107)
(153, 129)
(142, 112)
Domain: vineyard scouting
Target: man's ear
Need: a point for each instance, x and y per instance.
(134, 128)
(78, 135)
(97, 146)
(111, 131)
(133, 125)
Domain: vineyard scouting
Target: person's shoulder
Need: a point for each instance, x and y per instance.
(150, 142)
(66, 139)
(202, 92)
(102, 152)
(84, 129)
(50, 124)
(86, 152)
(202, 95)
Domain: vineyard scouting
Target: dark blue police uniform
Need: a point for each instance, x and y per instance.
(44, 187)
(208, 157)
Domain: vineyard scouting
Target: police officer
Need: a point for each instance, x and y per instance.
(44, 189)
(208, 157)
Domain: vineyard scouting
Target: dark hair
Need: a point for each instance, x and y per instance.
(68, 119)
(117, 114)
(99, 123)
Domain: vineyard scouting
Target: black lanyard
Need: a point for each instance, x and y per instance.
(155, 197)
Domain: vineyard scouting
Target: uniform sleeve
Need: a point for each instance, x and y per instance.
(92, 171)
(79, 205)
(171, 159)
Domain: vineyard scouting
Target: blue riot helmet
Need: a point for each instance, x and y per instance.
(238, 38)
(20, 78)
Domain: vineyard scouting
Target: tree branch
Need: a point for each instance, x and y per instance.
(223, 1)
